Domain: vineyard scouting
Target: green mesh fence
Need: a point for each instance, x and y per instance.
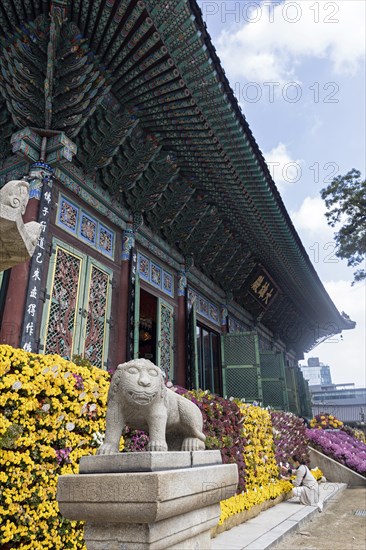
(291, 390)
(273, 379)
(241, 371)
(304, 397)
(271, 364)
(242, 382)
(241, 348)
(273, 394)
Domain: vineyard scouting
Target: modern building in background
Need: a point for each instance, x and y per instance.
(344, 401)
(163, 233)
(316, 373)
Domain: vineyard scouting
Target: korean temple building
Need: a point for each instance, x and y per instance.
(163, 233)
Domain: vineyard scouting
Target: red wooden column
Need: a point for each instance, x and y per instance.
(128, 242)
(181, 330)
(11, 326)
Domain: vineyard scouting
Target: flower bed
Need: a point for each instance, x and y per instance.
(317, 473)
(222, 426)
(340, 446)
(252, 497)
(289, 433)
(244, 435)
(259, 451)
(51, 411)
(325, 422)
(354, 432)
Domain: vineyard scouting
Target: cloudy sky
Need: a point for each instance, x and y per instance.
(298, 71)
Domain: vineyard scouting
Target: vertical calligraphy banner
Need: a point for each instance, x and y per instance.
(43, 174)
(133, 297)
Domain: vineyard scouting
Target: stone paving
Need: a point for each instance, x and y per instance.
(342, 526)
(269, 527)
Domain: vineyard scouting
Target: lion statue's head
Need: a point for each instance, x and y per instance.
(15, 193)
(140, 381)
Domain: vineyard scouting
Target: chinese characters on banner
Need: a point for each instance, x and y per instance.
(29, 332)
(133, 314)
(261, 287)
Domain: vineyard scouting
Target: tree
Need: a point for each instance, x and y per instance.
(345, 199)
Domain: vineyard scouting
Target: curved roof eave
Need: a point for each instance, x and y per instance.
(342, 322)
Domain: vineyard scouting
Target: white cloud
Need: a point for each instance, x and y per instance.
(348, 298)
(284, 170)
(317, 124)
(346, 355)
(318, 240)
(271, 47)
(310, 219)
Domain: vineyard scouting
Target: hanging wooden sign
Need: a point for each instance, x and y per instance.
(261, 286)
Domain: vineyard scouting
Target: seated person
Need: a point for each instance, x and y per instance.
(305, 485)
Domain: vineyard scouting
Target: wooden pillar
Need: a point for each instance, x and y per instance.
(12, 321)
(128, 242)
(180, 373)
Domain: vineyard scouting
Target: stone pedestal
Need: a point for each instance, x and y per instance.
(155, 500)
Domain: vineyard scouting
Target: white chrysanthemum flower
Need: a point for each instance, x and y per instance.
(98, 437)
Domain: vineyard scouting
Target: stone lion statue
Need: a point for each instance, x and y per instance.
(18, 240)
(15, 194)
(139, 398)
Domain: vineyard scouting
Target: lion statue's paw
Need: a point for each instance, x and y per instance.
(157, 446)
(192, 444)
(107, 449)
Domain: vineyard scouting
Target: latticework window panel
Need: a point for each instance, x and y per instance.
(96, 316)
(166, 338)
(62, 320)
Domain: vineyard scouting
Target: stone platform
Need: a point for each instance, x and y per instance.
(147, 461)
(153, 501)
